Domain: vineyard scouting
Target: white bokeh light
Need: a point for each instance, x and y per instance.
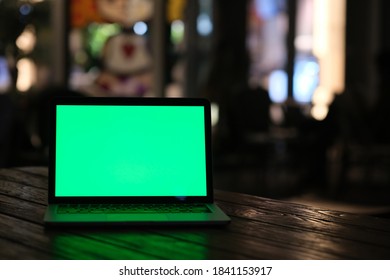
(140, 28)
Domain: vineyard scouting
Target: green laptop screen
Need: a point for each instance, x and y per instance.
(112, 150)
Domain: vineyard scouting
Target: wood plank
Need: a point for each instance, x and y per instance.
(36, 170)
(309, 242)
(25, 234)
(255, 247)
(161, 246)
(178, 246)
(59, 244)
(21, 191)
(296, 244)
(281, 208)
(14, 251)
(24, 178)
(309, 223)
(73, 246)
(21, 209)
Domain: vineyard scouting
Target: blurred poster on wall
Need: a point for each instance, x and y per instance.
(109, 47)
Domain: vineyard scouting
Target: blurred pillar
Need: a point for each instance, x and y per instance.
(59, 12)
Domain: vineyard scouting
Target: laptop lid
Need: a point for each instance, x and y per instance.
(130, 150)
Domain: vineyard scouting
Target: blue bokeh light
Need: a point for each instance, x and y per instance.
(204, 24)
(25, 9)
(306, 79)
(278, 86)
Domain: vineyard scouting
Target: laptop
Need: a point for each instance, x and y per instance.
(131, 161)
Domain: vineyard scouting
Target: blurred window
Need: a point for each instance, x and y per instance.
(319, 50)
(266, 42)
(190, 30)
(25, 45)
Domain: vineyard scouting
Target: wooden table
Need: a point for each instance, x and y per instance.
(260, 229)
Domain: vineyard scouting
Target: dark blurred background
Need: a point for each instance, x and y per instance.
(299, 88)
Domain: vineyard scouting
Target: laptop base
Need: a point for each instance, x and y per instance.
(215, 216)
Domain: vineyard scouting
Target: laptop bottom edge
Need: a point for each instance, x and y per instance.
(215, 217)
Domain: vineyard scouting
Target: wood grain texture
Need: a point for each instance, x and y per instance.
(261, 228)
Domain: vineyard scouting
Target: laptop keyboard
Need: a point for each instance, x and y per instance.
(131, 208)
